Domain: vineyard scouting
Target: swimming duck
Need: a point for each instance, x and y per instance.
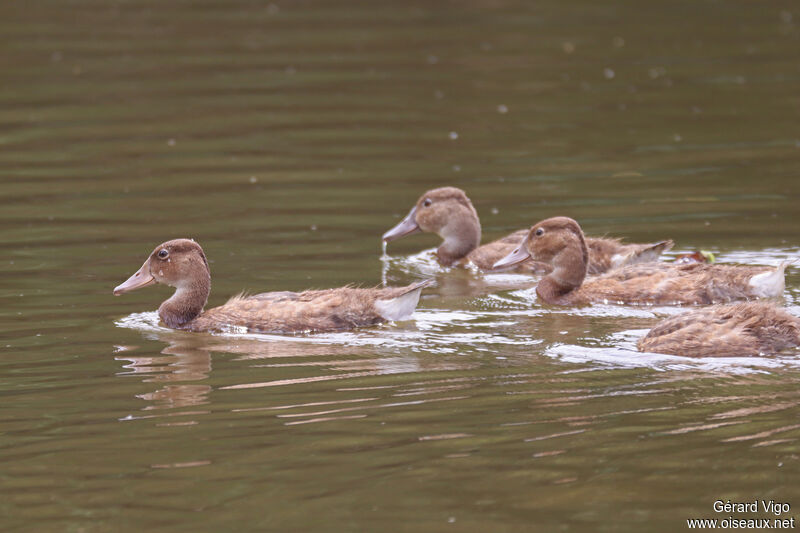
(181, 263)
(449, 213)
(560, 242)
(748, 328)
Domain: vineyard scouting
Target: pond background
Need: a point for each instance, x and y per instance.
(286, 138)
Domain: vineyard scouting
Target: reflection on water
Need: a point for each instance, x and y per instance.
(183, 360)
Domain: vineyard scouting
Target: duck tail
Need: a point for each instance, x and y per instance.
(660, 247)
(651, 252)
(402, 306)
(241, 296)
(780, 270)
(642, 253)
(770, 284)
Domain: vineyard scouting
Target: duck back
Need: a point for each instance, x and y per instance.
(314, 310)
(667, 283)
(748, 328)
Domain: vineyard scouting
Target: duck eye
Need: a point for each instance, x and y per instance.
(539, 232)
(163, 254)
(427, 202)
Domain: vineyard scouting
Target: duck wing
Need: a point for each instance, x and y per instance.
(315, 310)
(278, 296)
(669, 283)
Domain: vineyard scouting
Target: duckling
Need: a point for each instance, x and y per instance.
(181, 263)
(560, 242)
(748, 328)
(449, 213)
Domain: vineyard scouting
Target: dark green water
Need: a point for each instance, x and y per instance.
(286, 138)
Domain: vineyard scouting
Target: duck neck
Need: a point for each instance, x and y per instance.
(186, 304)
(461, 237)
(569, 271)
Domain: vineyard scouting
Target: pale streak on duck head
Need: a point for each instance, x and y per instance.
(447, 212)
(178, 263)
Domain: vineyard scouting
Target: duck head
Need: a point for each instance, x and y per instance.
(559, 242)
(179, 263)
(447, 212)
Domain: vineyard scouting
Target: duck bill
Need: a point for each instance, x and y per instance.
(406, 227)
(142, 278)
(516, 257)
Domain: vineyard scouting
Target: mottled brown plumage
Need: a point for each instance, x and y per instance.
(560, 242)
(448, 212)
(181, 263)
(741, 329)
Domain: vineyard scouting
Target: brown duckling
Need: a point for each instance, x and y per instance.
(181, 263)
(560, 242)
(747, 328)
(448, 213)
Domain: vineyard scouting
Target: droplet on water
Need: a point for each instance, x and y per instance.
(608, 74)
(453, 135)
(502, 109)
